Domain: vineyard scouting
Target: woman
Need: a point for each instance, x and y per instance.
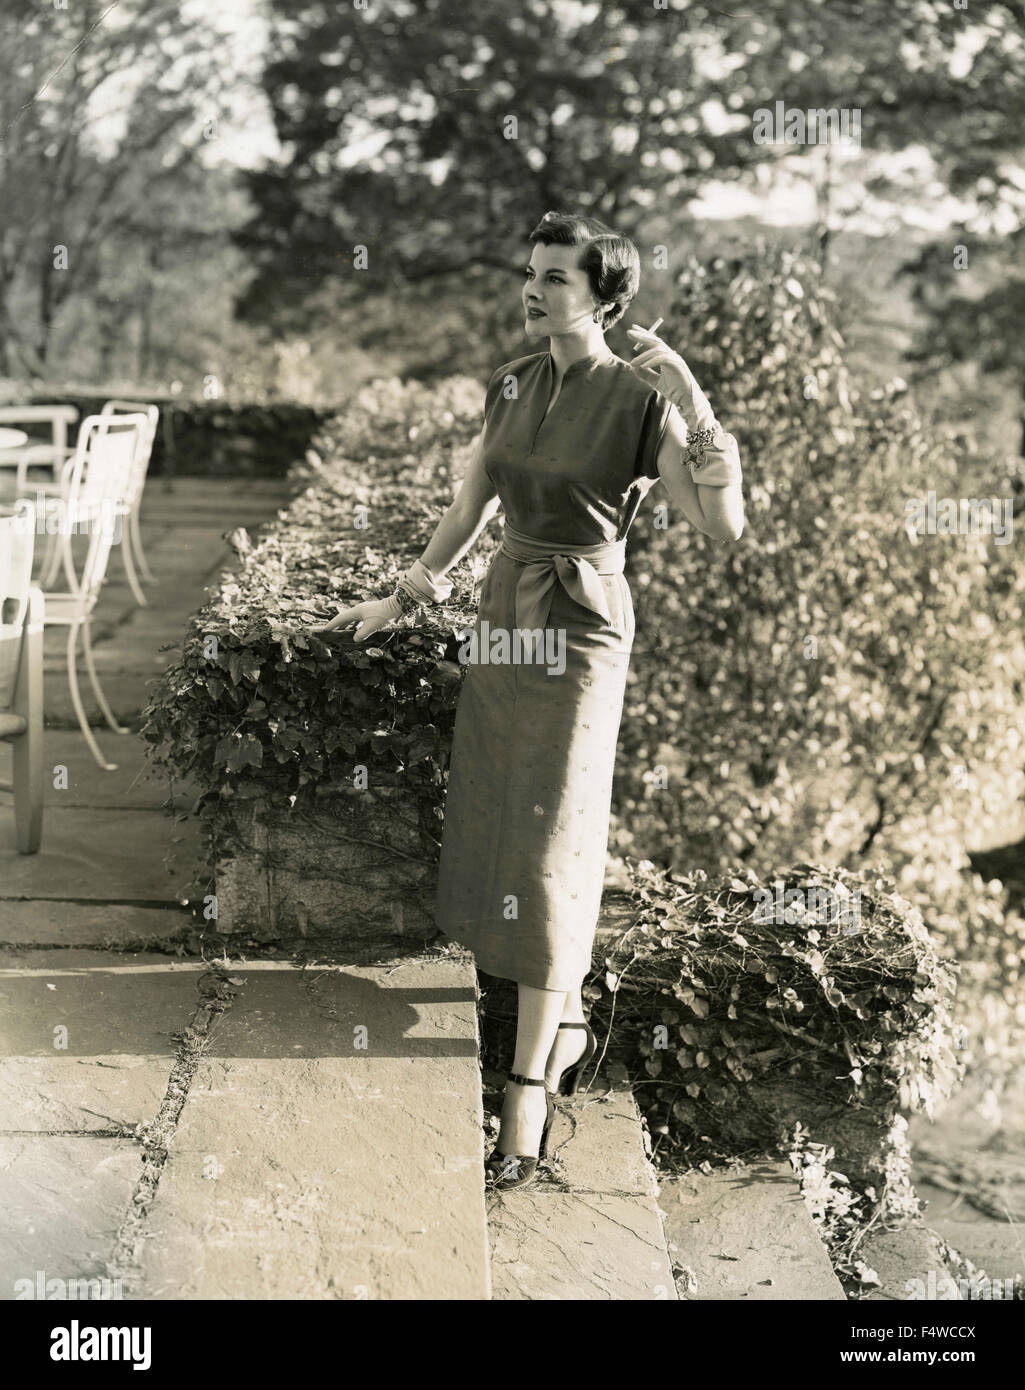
(573, 439)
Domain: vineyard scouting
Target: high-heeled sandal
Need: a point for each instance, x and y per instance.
(505, 1171)
(570, 1076)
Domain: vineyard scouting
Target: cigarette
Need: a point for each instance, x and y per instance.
(656, 324)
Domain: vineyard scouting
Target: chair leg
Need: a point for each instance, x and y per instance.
(101, 699)
(67, 553)
(27, 748)
(27, 785)
(76, 699)
(51, 562)
(129, 562)
(135, 530)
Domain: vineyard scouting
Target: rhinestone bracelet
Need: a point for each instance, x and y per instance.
(407, 601)
(697, 442)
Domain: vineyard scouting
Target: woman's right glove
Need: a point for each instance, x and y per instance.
(370, 616)
(417, 587)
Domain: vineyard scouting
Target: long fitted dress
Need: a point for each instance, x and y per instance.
(530, 777)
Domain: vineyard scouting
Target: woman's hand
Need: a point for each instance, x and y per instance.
(372, 615)
(661, 367)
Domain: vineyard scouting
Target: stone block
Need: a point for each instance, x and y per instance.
(306, 1166)
(745, 1233)
(63, 1201)
(351, 867)
(910, 1265)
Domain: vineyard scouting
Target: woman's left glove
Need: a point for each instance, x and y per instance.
(712, 455)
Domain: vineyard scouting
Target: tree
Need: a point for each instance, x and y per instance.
(470, 131)
(435, 137)
(92, 94)
(979, 321)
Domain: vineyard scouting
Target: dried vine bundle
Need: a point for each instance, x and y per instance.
(738, 1007)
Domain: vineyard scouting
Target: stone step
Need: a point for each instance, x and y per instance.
(134, 856)
(127, 692)
(994, 1245)
(105, 926)
(84, 784)
(299, 1164)
(589, 1228)
(303, 1167)
(745, 1233)
(909, 1264)
(968, 1169)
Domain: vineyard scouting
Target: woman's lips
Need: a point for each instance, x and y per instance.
(536, 314)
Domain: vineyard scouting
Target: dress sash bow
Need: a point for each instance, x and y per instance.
(575, 567)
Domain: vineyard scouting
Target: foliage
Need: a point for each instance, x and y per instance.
(464, 135)
(448, 183)
(844, 1213)
(257, 706)
(831, 685)
(103, 190)
(972, 923)
(730, 1021)
(974, 314)
(910, 71)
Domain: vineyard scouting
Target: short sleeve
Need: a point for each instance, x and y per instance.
(657, 415)
(493, 394)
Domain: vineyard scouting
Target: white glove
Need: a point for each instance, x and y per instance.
(713, 458)
(373, 615)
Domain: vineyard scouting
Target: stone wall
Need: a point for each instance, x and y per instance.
(350, 867)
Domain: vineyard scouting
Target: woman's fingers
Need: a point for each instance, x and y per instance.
(342, 618)
(370, 616)
(655, 357)
(644, 335)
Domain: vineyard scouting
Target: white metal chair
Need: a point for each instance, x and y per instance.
(97, 484)
(50, 454)
(131, 534)
(21, 673)
(132, 542)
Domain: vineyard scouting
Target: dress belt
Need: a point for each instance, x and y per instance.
(576, 567)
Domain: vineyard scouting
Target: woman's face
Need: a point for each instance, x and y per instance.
(557, 294)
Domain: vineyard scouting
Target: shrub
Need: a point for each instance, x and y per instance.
(257, 707)
(734, 1026)
(829, 687)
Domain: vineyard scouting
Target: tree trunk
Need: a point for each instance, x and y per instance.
(46, 308)
(825, 201)
(145, 351)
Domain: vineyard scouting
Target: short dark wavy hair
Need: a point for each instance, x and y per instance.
(612, 263)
